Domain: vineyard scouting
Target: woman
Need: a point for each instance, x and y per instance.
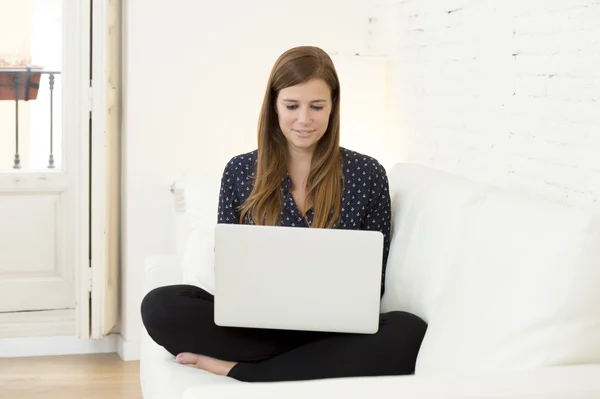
(298, 177)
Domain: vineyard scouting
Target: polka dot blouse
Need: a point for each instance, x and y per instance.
(365, 200)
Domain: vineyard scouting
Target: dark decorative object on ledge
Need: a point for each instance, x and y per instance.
(26, 79)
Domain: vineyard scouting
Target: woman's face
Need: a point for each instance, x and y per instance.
(303, 111)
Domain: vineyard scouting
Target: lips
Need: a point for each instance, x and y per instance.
(303, 133)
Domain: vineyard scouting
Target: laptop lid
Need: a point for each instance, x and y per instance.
(298, 278)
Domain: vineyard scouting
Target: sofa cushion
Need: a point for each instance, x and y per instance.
(429, 209)
(160, 376)
(201, 209)
(201, 200)
(523, 292)
(550, 383)
(163, 378)
(197, 265)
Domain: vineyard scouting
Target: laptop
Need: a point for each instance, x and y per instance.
(298, 278)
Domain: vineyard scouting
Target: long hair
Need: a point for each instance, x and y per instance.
(324, 182)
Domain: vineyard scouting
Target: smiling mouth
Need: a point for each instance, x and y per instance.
(303, 133)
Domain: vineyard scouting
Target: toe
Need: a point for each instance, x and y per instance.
(187, 358)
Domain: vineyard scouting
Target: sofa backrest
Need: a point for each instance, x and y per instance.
(429, 209)
(503, 280)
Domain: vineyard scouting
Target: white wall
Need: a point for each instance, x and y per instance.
(503, 91)
(195, 76)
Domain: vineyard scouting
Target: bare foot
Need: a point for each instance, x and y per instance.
(215, 366)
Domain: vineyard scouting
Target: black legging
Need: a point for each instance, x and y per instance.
(181, 319)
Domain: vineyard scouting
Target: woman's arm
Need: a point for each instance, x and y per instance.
(379, 213)
(228, 198)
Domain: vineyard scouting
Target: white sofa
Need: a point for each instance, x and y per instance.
(509, 285)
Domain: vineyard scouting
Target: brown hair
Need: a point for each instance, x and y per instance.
(324, 183)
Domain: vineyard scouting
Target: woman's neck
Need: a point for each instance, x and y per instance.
(299, 161)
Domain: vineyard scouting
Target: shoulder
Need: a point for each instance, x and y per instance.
(242, 163)
(354, 161)
(239, 173)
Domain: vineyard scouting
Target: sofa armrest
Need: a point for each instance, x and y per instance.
(161, 270)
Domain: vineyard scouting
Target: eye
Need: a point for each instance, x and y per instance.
(295, 106)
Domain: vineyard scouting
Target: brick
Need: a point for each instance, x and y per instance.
(504, 92)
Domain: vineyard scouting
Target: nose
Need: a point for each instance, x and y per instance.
(304, 116)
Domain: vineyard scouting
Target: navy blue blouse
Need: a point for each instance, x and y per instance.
(365, 200)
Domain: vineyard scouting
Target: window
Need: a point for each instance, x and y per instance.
(31, 59)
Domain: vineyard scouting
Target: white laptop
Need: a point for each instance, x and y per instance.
(298, 278)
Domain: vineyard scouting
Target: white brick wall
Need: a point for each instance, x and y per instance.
(506, 92)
